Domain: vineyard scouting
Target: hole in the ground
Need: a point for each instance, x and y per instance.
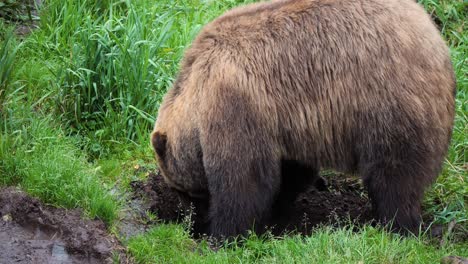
(342, 201)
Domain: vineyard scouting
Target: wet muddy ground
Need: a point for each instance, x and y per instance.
(344, 200)
(31, 232)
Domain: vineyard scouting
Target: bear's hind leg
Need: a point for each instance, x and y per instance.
(396, 186)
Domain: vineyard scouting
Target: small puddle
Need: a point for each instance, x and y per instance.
(31, 232)
(59, 254)
(35, 244)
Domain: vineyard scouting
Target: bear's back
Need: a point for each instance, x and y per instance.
(324, 71)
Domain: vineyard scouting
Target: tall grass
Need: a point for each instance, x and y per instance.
(8, 49)
(35, 153)
(116, 60)
(113, 81)
(115, 66)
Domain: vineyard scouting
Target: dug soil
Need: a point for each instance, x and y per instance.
(31, 232)
(342, 202)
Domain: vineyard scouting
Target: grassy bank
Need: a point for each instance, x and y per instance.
(171, 244)
(79, 97)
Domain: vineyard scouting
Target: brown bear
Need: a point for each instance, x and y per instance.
(358, 86)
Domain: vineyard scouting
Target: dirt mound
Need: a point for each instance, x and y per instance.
(34, 233)
(160, 199)
(343, 200)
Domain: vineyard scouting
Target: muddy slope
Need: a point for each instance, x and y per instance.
(31, 232)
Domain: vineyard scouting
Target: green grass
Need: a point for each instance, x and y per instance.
(8, 49)
(37, 156)
(171, 244)
(35, 152)
(448, 199)
(78, 99)
(114, 66)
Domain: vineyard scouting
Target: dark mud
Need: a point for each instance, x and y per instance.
(160, 199)
(342, 201)
(31, 232)
(155, 196)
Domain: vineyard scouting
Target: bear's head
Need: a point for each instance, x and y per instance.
(178, 151)
(184, 174)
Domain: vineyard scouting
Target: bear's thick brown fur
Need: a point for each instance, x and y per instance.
(362, 86)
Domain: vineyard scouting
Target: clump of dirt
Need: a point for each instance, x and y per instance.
(166, 204)
(161, 200)
(343, 200)
(31, 232)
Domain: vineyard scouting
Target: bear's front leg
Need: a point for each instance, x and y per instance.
(242, 167)
(241, 195)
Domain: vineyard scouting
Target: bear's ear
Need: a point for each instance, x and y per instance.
(159, 142)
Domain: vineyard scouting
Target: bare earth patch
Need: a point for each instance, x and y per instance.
(31, 232)
(343, 200)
